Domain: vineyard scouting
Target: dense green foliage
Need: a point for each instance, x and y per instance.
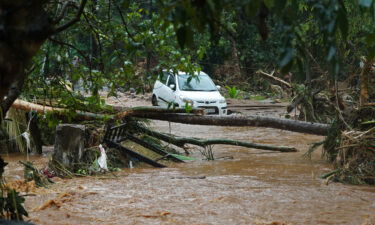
(124, 44)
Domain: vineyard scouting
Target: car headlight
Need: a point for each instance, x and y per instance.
(187, 100)
(222, 101)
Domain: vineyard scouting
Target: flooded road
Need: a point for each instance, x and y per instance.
(255, 187)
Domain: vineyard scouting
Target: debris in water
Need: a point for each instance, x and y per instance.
(159, 214)
(102, 160)
(26, 135)
(22, 185)
(189, 177)
(57, 202)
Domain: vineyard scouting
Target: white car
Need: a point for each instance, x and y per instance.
(198, 92)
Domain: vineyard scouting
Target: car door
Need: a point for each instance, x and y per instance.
(169, 93)
(160, 88)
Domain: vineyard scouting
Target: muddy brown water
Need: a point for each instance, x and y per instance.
(255, 187)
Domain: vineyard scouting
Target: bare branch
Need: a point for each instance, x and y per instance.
(271, 76)
(74, 20)
(124, 23)
(71, 46)
(62, 12)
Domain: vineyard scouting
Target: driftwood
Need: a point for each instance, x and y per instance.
(181, 141)
(271, 76)
(241, 121)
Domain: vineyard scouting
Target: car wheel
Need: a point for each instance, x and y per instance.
(154, 100)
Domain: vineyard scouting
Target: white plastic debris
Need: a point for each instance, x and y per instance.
(26, 135)
(131, 164)
(102, 160)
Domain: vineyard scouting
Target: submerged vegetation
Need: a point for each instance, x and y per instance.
(11, 202)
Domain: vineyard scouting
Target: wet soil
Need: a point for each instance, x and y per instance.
(255, 187)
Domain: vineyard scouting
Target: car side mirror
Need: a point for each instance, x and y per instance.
(218, 87)
(172, 86)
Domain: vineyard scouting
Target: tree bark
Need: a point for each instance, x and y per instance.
(241, 121)
(146, 110)
(81, 115)
(35, 133)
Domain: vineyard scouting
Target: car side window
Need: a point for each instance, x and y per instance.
(163, 77)
(171, 80)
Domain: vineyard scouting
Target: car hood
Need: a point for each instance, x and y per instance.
(202, 95)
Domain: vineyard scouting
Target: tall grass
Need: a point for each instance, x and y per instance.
(15, 125)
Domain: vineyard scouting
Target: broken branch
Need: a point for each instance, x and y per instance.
(271, 76)
(181, 141)
(74, 20)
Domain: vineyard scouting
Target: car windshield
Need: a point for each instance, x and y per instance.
(201, 82)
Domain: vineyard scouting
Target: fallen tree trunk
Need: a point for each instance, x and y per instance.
(181, 141)
(146, 110)
(241, 121)
(40, 109)
(81, 115)
(179, 116)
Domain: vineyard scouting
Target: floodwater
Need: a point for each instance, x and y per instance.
(252, 187)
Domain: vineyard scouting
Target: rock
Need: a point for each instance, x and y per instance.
(69, 144)
(131, 90)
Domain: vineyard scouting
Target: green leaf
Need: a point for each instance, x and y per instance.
(269, 3)
(188, 108)
(343, 21)
(251, 9)
(182, 157)
(280, 4)
(184, 36)
(125, 4)
(370, 39)
(368, 122)
(365, 3)
(371, 53)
